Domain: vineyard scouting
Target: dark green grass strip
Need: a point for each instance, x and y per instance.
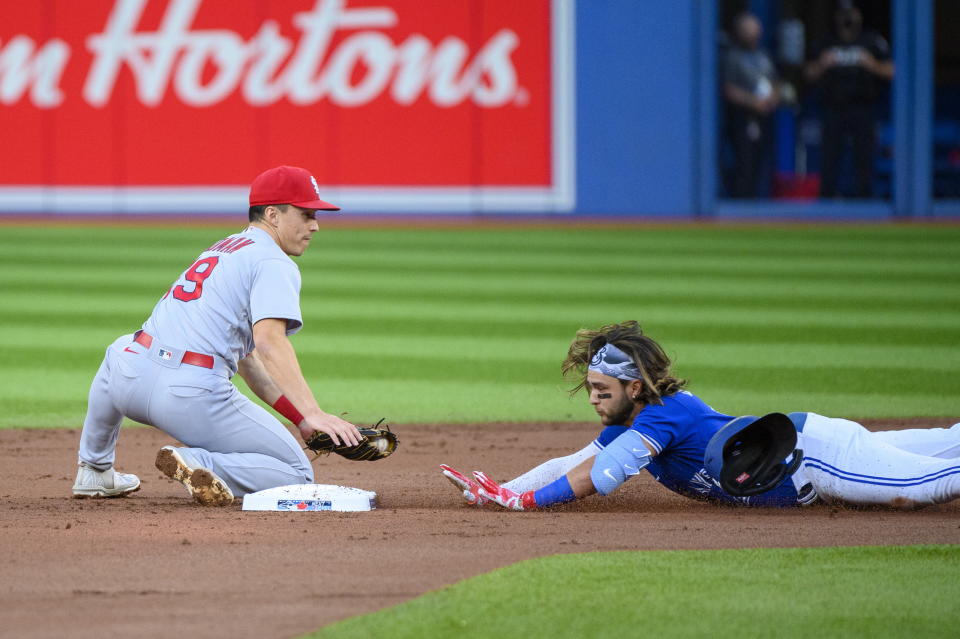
(829, 269)
(906, 591)
(707, 298)
(454, 368)
(126, 320)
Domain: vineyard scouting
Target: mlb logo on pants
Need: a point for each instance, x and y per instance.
(165, 354)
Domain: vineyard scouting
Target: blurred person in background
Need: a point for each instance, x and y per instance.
(750, 90)
(848, 68)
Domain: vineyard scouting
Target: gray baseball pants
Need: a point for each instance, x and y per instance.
(223, 430)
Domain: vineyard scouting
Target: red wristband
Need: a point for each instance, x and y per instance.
(288, 410)
(528, 500)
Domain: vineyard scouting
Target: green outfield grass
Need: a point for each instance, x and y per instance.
(908, 592)
(471, 325)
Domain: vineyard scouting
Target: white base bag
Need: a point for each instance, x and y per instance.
(311, 497)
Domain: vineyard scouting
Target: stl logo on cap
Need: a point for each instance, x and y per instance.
(288, 185)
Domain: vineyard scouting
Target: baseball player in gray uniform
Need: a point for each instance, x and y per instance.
(230, 312)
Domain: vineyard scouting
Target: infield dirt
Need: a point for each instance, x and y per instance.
(155, 563)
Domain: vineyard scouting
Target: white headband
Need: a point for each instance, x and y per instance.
(613, 362)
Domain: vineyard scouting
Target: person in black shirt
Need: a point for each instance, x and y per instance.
(848, 68)
(751, 94)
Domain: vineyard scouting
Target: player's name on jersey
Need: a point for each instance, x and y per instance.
(230, 244)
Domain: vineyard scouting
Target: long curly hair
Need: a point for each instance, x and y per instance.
(653, 363)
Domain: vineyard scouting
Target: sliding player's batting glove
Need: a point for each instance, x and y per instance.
(470, 488)
(504, 496)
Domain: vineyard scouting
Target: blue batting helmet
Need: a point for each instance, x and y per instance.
(748, 455)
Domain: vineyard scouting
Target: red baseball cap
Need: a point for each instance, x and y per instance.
(288, 185)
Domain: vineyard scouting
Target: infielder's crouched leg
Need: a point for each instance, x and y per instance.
(101, 426)
(226, 432)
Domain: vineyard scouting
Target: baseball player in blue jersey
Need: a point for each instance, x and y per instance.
(231, 311)
(652, 423)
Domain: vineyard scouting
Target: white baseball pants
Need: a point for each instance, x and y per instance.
(906, 468)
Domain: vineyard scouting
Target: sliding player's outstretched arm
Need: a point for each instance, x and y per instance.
(534, 479)
(625, 457)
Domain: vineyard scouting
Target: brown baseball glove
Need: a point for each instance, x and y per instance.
(377, 442)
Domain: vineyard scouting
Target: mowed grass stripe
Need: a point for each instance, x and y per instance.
(121, 321)
(453, 367)
(562, 308)
(498, 252)
(794, 243)
(637, 270)
(715, 292)
(706, 291)
(313, 345)
(906, 591)
(794, 317)
(772, 240)
(50, 345)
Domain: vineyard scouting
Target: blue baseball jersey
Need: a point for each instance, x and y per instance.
(678, 431)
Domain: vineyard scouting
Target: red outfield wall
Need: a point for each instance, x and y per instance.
(174, 105)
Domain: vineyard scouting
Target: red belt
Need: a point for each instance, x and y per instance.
(189, 357)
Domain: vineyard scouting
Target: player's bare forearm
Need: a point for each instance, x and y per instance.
(254, 373)
(280, 362)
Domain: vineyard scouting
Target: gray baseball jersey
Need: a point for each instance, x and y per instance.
(174, 373)
(235, 283)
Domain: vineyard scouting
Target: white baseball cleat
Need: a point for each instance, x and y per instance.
(103, 483)
(203, 484)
